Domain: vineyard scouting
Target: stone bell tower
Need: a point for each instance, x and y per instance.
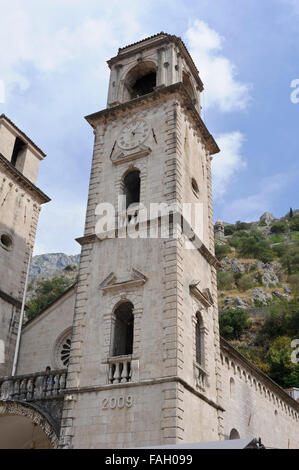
(144, 363)
(20, 203)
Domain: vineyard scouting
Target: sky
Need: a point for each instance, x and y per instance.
(53, 72)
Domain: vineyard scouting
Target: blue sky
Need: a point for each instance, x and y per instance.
(53, 72)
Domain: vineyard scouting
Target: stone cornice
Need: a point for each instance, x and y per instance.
(162, 380)
(96, 118)
(24, 182)
(11, 300)
(228, 348)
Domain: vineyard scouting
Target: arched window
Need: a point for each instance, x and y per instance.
(131, 187)
(199, 340)
(141, 80)
(234, 435)
(123, 330)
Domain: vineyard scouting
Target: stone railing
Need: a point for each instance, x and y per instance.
(120, 369)
(33, 386)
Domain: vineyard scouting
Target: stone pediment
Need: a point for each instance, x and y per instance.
(204, 296)
(121, 156)
(112, 282)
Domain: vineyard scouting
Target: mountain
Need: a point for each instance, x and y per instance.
(50, 264)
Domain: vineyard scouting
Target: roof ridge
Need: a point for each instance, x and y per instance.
(3, 116)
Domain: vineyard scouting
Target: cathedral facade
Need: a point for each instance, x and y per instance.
(130, 356)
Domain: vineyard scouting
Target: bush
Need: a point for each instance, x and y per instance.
(225, 280)
(247, 281)
(70, 267)
(242, 226)
(46, 293)
(279, 227)
(294, 223)
(280, 250)
(229, 230)
(293, 279)
(277, 239)
(253, 247)
(221, 251)
(233, 323)
(290, 260)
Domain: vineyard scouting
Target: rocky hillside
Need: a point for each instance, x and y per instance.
(259, 261)
(258, 291)
(49, 266)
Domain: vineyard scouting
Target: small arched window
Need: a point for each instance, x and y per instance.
(199, 340)
(234, 435)
(131, 187)
(123, 330)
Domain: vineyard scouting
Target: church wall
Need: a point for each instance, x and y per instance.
(40, 335)
(122, 417)
(255, 407)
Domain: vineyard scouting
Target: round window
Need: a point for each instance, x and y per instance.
(65, 352)
(62, 350)
(6, 241)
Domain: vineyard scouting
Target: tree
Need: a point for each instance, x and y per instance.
(291, 213)
(221, 251)
(229, 230)
(282, 369)
(233, 323)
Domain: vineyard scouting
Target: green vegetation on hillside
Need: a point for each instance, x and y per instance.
(267, 341)
(46, 292)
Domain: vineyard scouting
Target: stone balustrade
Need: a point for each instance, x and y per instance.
(120, 370)
(33, 386)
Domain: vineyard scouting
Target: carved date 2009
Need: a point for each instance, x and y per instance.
(120, 402)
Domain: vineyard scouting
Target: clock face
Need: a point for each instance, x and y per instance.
(133, 134)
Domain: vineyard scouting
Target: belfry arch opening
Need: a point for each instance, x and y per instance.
(140, 80)
(123, 330)
(189, 88)
(131, 187)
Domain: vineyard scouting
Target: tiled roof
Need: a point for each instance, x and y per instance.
(2, 116)
(176, 39)
(145, 39)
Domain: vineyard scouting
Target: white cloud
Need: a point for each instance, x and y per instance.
(218, 73)
(226, 164)
(49, 45)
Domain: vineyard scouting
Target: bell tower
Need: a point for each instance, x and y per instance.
(20, 204)
(144, 364)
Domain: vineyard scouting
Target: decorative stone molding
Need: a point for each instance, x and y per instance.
(34, 415)
(128, 156)
(204, 296)
(110, 283)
